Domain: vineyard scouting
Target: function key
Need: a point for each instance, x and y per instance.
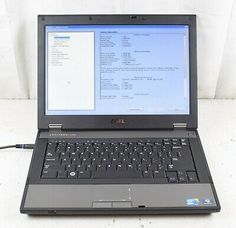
(132, 143)
(158, 143)
(149, 143)
(141, 143)
(175, 142)
(167, 141)
(184, 142)
(78, 144)
(96, 143)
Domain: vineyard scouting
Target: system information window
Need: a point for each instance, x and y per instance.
(117, 70)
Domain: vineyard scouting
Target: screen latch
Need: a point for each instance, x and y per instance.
(179, 126)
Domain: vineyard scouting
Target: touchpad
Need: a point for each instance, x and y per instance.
(111, 193)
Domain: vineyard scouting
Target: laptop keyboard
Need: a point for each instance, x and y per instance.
(165, 160)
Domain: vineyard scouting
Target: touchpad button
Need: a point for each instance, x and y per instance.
(111, 193)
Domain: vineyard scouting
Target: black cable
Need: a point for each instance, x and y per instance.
(5, 147)
(21, 146)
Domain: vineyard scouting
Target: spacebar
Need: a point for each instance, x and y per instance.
(116, 175)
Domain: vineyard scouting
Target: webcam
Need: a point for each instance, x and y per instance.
(133, 17)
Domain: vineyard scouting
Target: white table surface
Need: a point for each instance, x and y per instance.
(217, 128)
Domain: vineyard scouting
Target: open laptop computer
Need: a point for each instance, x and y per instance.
(117, 118)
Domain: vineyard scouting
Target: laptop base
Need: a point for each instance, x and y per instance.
(102, 198)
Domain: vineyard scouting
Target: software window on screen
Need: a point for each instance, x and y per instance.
(117, 70)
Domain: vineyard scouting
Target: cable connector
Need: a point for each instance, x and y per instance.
(25, 146)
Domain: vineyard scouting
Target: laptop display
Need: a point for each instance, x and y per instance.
(117, 70)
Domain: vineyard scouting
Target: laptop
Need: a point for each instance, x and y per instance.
(117, 118)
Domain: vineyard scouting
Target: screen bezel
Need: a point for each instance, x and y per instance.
(117, 121)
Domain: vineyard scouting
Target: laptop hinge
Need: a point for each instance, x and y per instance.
(55, 126)
(179, 126)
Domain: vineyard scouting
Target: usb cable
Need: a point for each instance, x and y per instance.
(21, 146)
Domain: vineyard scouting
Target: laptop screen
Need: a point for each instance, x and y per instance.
(117, 70)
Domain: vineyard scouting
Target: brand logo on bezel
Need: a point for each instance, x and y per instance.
(118, 121)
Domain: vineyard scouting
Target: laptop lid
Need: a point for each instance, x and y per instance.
(117, 71)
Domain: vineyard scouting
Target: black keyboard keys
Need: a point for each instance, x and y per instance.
(172, 177)
(62, 174)
(161, 160)
(192, 177)
(49, 174)
(147, 174)
(84, 174)
(72, 174)
(182, 177)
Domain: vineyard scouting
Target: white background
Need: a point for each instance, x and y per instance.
(216, 39)
(217, 122)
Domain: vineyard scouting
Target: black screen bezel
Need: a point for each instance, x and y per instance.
(124, 121)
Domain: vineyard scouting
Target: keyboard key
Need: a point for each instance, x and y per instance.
(182, 176)
(131, 167)
(172, 177)
(52, 160)
(72, 174)
(84, 174)
(64, 155)
(62, 174)
(171, 167)
(156, 161)
(121, 167)
(111, 168)
(91, 167)
(181, 165)
(101, 168)
(50, 166)
(147, 174)
(76, 161)
(159, 174)
(49, 174)
(184, 142)
(51, 155)
(51, 147)
(70, 168)
(86, 161)
(106, 161)
(152, 167)
(192, 177)
(96, 161)
(182, 179)
(66, 161)
(81, 167)
(61, 147)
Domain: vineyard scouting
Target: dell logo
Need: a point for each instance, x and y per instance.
(118, 121)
